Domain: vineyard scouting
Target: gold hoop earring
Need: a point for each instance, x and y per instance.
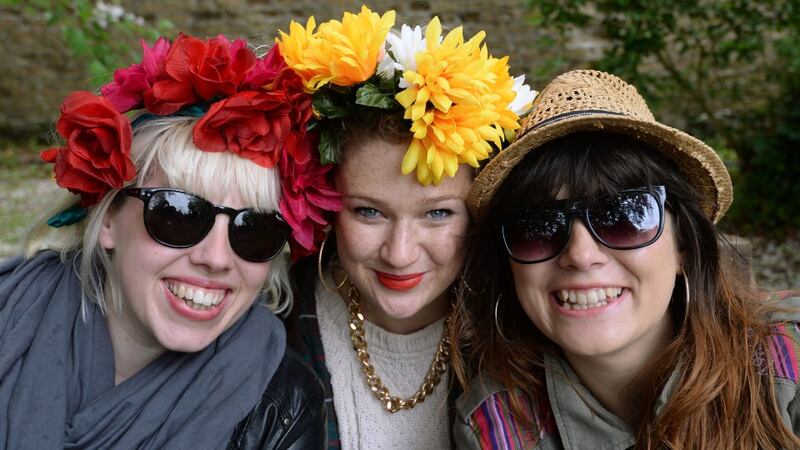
(319, 269)
(497, 321)
(686, 288)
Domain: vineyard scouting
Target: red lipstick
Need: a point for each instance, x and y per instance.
(399, 282)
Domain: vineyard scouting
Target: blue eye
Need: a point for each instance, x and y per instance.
(439, 214)
(369, 213)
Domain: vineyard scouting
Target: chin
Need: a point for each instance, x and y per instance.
(186, 343)
(401, 313)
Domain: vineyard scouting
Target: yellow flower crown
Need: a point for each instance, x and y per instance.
(461, 102)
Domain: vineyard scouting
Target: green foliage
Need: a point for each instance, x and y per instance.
(335, 104)
(727, 71)
(370, 95)
(102, 35)
(769, 193)
(331, 104)
(330, 141)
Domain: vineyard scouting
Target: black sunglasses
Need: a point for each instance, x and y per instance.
(626, 220)
(178, 219)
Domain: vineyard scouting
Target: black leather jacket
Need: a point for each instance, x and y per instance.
(291, 413)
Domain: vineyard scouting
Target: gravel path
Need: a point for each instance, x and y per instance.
(21, 202)
(776, 263)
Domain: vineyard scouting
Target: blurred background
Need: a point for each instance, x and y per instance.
(727, 71)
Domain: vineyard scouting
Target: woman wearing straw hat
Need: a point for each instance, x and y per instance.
(599, 315)
(403, 111)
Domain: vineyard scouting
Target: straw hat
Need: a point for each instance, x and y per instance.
(587, 100)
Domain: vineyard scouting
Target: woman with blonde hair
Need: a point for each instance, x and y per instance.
(600, 315)
(142, 313)
(374, 304)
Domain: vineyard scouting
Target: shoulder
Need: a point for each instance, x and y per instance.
(291, 412)
(44, 261)
(485, 418)
(784, 352)
(784, 343)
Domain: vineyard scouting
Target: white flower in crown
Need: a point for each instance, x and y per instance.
(386, 65)
(524, 99)
(403, 48)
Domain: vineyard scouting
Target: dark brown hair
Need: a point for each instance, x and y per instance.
(387, 126)
(722, 399)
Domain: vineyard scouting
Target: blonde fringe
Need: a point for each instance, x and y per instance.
(163, 147)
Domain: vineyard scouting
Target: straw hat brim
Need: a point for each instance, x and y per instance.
(698, 162)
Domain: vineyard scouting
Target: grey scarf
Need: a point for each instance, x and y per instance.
(57, 372)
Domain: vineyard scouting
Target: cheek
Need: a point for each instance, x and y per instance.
(529, 292)
(355, 240)
(254, 275)
(447, 253)
(446, 245)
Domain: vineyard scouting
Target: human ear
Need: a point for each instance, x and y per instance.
(106, 236)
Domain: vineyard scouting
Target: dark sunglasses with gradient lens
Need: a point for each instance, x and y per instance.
(629, 219)
(178, 219)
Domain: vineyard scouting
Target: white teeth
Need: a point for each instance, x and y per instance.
(197, 298)
(588, 298)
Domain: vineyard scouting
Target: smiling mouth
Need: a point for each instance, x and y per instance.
(587, 298)
(196, 297)
(399, 282)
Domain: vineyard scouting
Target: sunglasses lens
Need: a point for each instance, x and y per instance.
(257, 237)
(536, 235)
(177, 219)
(628, 220)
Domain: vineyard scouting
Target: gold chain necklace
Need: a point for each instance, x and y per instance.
(393, 403)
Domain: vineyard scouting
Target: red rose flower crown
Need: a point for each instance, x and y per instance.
(254, 107)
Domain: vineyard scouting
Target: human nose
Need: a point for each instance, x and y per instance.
(582, 252)
(214, 251)
(399, 249)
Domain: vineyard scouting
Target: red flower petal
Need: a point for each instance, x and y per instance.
(97, 155)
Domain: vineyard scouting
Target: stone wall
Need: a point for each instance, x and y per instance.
(38, 71)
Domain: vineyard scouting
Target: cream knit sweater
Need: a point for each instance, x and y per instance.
(401, 361)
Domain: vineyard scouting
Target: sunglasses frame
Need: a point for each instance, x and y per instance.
(147, 194)
(579, 208)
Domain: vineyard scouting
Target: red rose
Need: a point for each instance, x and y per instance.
(254, 125)
(271, 73)
(199, 71)
(96, 157)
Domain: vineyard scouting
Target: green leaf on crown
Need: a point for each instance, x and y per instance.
(330, 105)
(330, 141)
(370, 95)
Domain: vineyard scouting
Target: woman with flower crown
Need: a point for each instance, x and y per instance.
(375, 302)
(142, 313)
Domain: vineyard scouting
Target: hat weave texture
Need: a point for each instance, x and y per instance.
(588, 100)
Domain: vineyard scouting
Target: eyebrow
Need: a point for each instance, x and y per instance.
(425, 201)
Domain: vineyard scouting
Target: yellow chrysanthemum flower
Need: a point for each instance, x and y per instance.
(342, 53)
(457, 100)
